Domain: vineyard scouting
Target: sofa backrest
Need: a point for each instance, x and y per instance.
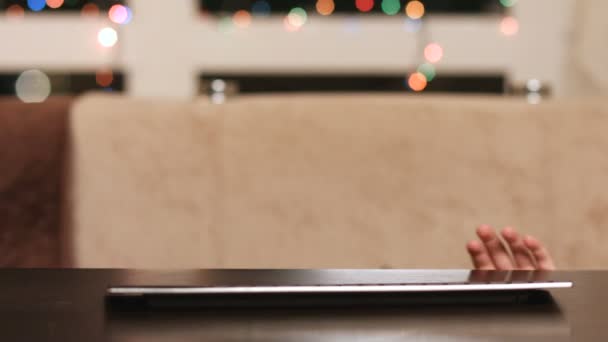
(337, 181)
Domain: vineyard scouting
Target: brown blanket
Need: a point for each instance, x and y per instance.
(32, 149)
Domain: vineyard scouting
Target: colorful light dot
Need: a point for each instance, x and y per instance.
(104, 78)
(15, 12)
(36, 5)
(90, 10)
(417, 82)
(107, 37)
(297, 17)
(508, 3)
(509, 26)
(415, 9)
(325, 7)
(391, 7)
(241, 19)
(364, 5)
(120, 14)
(218, 86)
(428, 70)
(534, 85)
(260, 8)
(33, 86)
(54, 3)
(288, 26)
(433, 52)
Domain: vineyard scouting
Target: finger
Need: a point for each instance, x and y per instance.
(521, 254)
(479, 256)
(544, 261)
(497, 251)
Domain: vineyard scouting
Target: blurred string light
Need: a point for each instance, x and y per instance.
(391, 7)
(413, 25)
(433, 52)
(36, 5)
(533, 88)
(508, 3)
(218, 86)
(120, 14)
(33, 86)
(260, 8)
(417, 81)
(241, 19)
(104, 77)
(428, 70)
(533, 85)
(15, 12)
(90, 10)
(218, 91)
(414, 9)
(325, 7)
(296, 18)
(364, 5)
(54, 3)
(107, 37)
(509, 26)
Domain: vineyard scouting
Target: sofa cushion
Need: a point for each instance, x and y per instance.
(335, 181)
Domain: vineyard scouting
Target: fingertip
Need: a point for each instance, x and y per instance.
(531, 242)
(474, 247)
(509, 233)
(485, 232)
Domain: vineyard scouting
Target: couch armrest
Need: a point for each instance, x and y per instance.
(32, 150)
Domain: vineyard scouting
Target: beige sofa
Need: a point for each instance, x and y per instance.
(370, 181)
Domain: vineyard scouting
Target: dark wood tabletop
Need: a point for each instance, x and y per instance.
(69, 305)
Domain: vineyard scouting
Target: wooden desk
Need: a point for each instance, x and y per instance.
(68, 305)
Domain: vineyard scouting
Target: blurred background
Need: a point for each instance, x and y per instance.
(224, 48)
(299, 133)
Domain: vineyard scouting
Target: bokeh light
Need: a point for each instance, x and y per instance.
(417, 82)
(364, 5)
(90, 10)
(413, 25)
(433, 52)
(241, 19)
(428, 70)
(260, 8)
(325, 7)
(104, 77)
(288, 26)
(415, 9)
(36, 5)
(391, 7)
(54, 3)
(534, 85)
(218, 86)
(508, 3)
(509, 26)
(33, 86)
(120, 14)
(15, 12)
(297, 17)
(107, 37)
